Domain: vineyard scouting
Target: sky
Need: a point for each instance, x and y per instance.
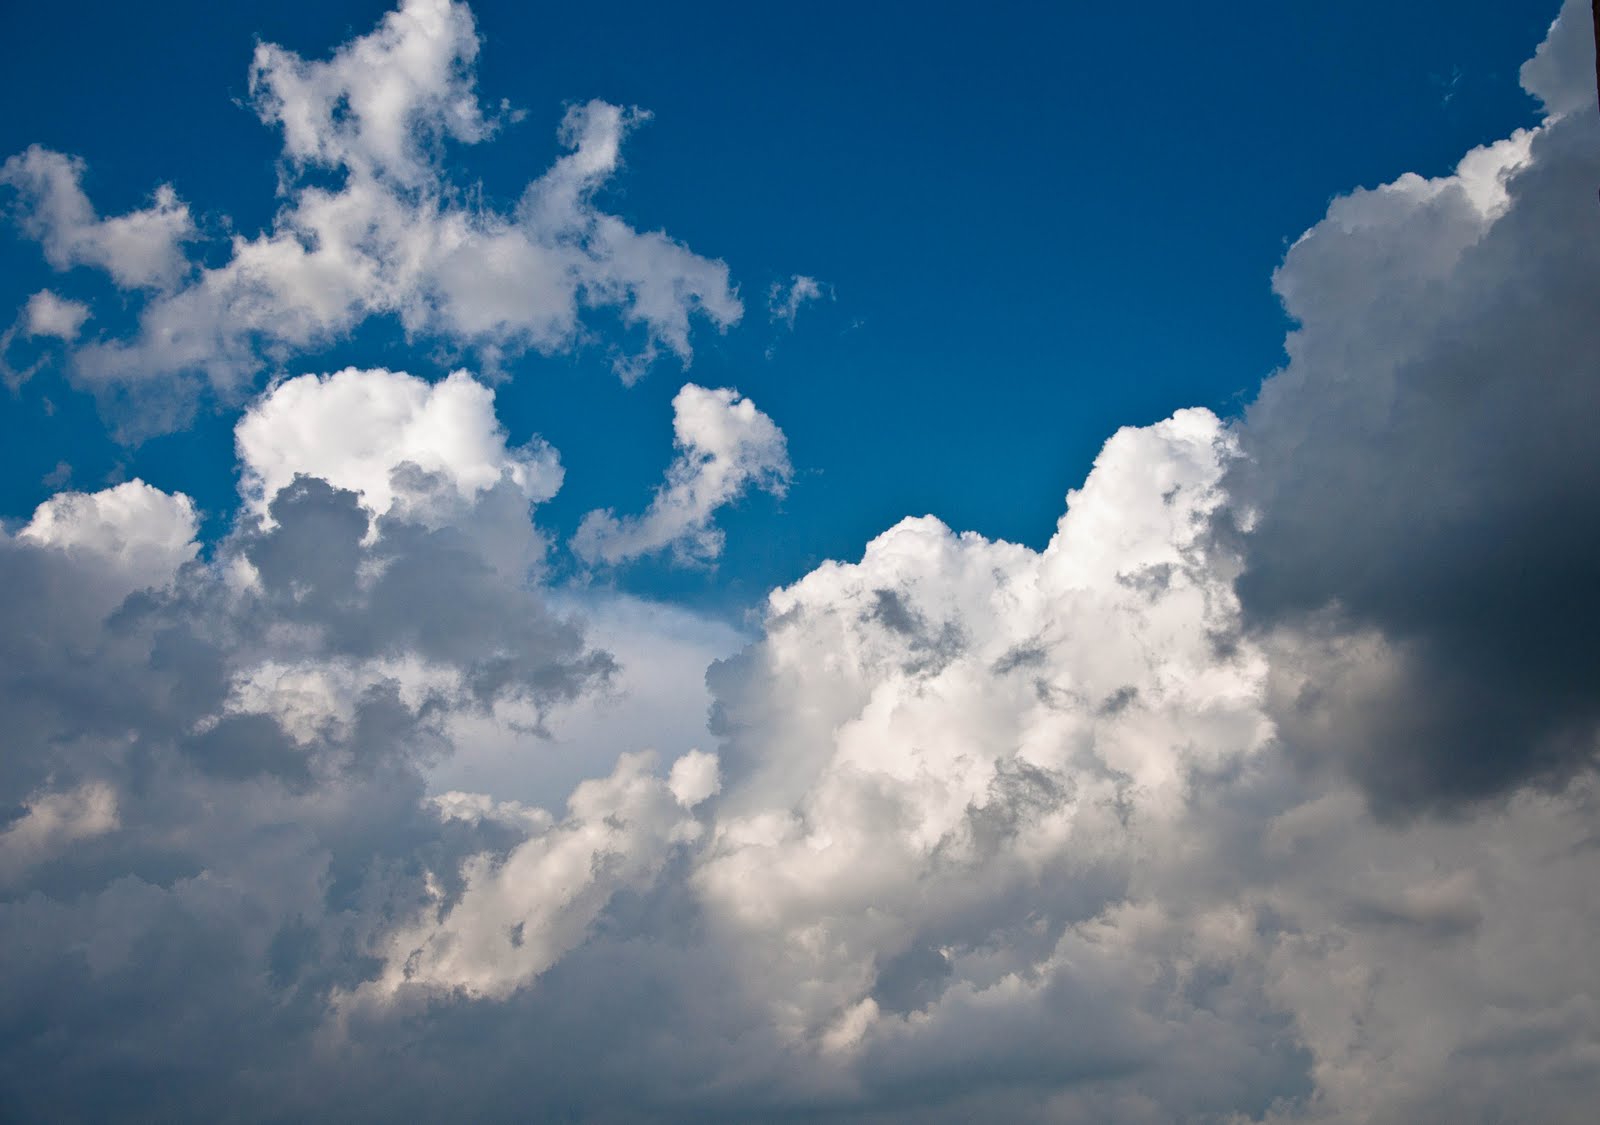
(636, 564)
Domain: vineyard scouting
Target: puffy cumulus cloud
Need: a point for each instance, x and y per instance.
(986, 828)
(215, 815)
(391, 235)
(428, 453)
(140, 250)
(942, 758)
(1420, 475)
(986, 832)
(302, 622)
(725, 447)
(694, 777)
(133, 535)
(1560, 74)
(1016, 833)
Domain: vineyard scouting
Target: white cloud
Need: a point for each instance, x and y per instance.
(516, 916)
(725, 447)
(142, 249)
(393, 237)
(359, 429)
(133, 533)
(928, 739)
(46, 314)
(784, 301)
(432, 454)
(694, 778)
(1562, 73)
(384, 102)
(318, 700)
(988, 833)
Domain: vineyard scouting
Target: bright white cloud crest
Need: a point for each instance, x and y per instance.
(134, 531)
(361, 429)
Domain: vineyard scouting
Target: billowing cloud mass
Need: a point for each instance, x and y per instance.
(392, 235)
(1264, 792)
(1421, 475)
(725, 447)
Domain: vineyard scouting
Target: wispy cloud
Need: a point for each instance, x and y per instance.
(725, 448)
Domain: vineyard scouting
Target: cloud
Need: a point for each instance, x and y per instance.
(140, 250)
(981, 831)
(930, 746)
(784, 301)
(725, 447)
(985, 826)
(52, 822)
(222, 759)
(518, 914)
(1418, 477)
(432, 454)
(1560, 74)
(133, 534)
(382, 105)
(390, 236)
(46, 314)
(654, 698)
(694, 778)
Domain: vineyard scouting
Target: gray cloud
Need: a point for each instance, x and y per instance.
(989, 832)
(1424, 468)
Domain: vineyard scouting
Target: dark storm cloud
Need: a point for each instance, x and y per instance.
(1426, 467)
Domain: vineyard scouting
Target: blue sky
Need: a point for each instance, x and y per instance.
(1038, 226)
(724, 563)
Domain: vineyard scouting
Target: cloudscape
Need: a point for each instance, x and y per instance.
(940, 584)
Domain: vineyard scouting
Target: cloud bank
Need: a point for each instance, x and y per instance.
(1264, 792)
